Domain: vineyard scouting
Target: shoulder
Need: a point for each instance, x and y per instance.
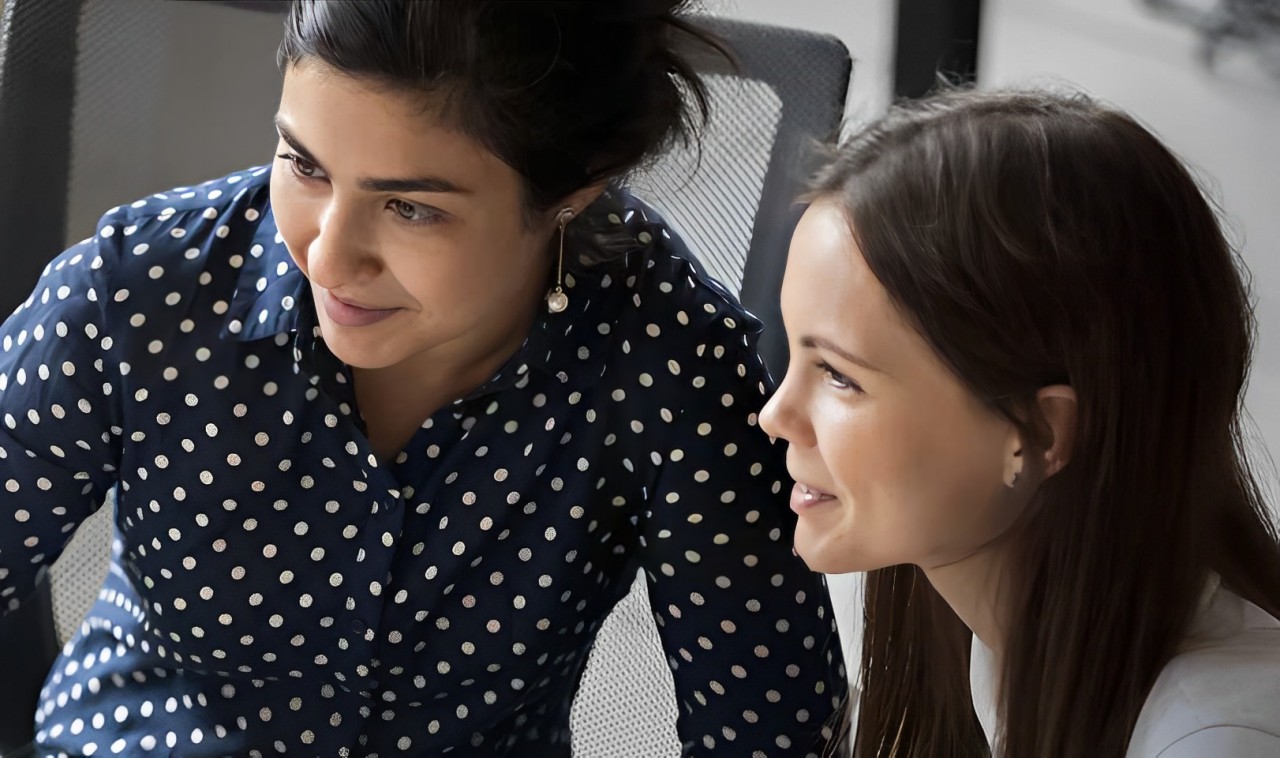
(200, 218)
(669, 303)
(142, 252)
(675, 270)
(173, 241)
(1223, 742)
(202, 207)
(1223, 689)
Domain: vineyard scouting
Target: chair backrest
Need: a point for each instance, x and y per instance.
(102, 101)
(734, 199)
(731, 198)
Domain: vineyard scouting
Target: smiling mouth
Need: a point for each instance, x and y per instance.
(804, 497)
(813, 494)
(347, 314)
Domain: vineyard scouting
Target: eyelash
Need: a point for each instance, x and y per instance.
(430, 215)
(297, 162)
(837, 379)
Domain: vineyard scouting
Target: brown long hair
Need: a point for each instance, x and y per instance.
(1038, 239)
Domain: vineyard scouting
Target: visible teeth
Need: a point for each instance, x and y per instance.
(810, 497)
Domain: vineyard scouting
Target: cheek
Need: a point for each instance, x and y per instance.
(435, 276)
(936, 466)
(868, 455)
(958, 454)
(948, 471)
(873, 452)
(503, 262)
(913, 480)
(455, 273)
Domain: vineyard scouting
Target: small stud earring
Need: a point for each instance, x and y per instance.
(557, 300)
(1016, 474)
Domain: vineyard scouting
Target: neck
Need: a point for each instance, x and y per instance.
(973, 587)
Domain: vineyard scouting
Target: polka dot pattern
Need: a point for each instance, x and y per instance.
(277, 589)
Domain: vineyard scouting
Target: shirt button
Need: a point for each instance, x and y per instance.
(358, 626)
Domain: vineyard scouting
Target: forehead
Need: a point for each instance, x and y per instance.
(374, 129)
(828, 281)
(830, 292)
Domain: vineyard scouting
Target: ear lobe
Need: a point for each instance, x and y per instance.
(580, 199)
(1060, 410)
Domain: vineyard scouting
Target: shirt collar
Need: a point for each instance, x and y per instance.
(983, 686)
(271, 292)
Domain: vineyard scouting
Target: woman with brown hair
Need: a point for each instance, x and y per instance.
(1019, 342)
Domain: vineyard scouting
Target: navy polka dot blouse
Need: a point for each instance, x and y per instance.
(275, 588)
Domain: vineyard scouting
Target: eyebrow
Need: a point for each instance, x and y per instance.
(375, 184)
(824, 344)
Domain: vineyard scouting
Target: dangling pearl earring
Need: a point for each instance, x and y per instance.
(557, 300)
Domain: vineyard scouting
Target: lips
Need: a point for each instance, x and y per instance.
(346, 313)
(805, 497)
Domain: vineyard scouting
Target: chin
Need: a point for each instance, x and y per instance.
(818, 551)
(827, 560)
(823, 551)
(365, 353)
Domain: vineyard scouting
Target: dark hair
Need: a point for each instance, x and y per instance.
(569, 93)
(1038, 239)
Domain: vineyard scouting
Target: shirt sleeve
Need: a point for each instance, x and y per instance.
(1224, 742)
(57, 440)
(747, 628)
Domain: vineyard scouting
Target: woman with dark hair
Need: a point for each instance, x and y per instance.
(393, 422)
(1019, 341)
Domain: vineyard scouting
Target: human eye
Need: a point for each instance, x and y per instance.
(836, 379)
(414, 213)
(303, 169)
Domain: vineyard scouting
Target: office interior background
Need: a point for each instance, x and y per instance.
(1149, 57)
(1144, 56)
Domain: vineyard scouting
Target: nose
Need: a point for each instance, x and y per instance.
(340, 254)
(784, 415)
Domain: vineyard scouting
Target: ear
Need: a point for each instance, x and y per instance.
(577, 201)
(1058, 408)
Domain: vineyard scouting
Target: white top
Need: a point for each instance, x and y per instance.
(1219, 696)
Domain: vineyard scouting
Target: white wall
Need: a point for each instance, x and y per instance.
(1224, 125)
